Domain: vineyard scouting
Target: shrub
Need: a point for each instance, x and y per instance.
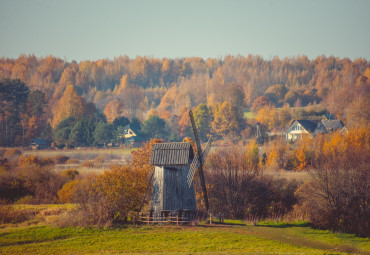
(70, 174)
(338, 197)
(239, 190)
(41, 182)
(11, 187)
(11, 153)
(26, 200)
(72, 161)
(24, 161)
(60, 159)
(66, 193)
(9, 215)
(88, 163)
(232, 183)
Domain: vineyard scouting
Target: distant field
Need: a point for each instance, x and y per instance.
(84, 153)
(265, 238)
(249, 115)
(100, 159)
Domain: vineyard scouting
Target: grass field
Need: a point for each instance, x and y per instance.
(265, 238)
(84, 153)
(249, 115)
(101, 159)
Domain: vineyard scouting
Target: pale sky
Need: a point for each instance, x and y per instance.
(90, 30)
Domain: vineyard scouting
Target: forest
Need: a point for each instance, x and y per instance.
(82, 104)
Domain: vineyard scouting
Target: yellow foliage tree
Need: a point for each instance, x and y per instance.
(225, 119)
(304, 152)
(113, 110)
(268, 117)
(252, 151)
(278, 154)
(70, 104)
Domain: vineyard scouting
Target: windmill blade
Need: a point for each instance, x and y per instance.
(195, 164)
(195, 132)
(199, 150)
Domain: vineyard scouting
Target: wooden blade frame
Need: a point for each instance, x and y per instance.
(199, 152)
(195, 164)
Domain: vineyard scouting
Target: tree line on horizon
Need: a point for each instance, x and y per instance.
(46, 95)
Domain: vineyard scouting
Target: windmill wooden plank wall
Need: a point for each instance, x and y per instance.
(170, 188)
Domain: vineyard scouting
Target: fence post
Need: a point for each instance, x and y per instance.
(148, 220)
(177, 220)
(210, 219)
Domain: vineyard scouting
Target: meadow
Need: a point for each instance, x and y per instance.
(232, 237)
(86, 160)
(34, 229)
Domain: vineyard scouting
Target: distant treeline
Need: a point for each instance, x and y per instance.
(139, 88)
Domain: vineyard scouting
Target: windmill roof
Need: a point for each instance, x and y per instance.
(171, 154)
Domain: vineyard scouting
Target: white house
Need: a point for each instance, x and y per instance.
(312, 127)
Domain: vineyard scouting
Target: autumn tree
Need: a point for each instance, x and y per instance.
(276, 94)
(225, 119)
(268, 117)
(202, 120)
(278, 155)
(34, 120)
(260, 103)
(70, 104)
(252, 154)
(113, 110)
(336, 196)
(184, 124)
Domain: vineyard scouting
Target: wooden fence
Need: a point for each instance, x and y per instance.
(170, 219)
(174, 219)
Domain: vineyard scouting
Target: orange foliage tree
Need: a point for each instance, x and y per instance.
(70, 104)
(113, 110)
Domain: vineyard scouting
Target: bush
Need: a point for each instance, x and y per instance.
(60, 159)
(9, 215)
(26, 200)
(70, 174)
(338, 197)
(66, 193)
(238, 190)
(41, 182)
(24, 161)
(11, 153)
(72, 161)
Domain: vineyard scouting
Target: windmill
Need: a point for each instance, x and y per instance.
(175, 167)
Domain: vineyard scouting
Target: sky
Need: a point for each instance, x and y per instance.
(91, 30)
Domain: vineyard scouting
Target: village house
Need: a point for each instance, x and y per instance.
(130, 137)
(312, 127)
(39, 144)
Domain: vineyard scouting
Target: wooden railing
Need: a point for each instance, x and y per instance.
(171, 219)
(174, 219)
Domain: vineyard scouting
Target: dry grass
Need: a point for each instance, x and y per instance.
(86, 160)
(24, 214)
(289, 175)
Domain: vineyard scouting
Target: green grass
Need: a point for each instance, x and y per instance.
(215, 239)
(249, 115)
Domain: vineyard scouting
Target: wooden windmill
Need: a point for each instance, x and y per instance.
(175, 167)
